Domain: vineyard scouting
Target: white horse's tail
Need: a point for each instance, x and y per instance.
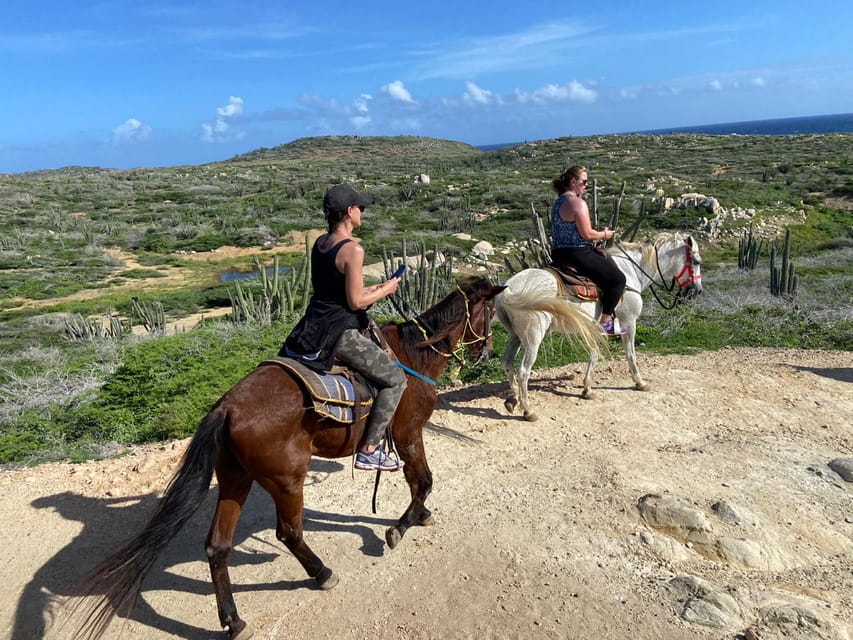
(568, 319)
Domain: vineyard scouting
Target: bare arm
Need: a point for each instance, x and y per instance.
(350, 261)
(576, 209)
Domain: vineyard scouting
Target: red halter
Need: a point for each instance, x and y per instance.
(686, 277)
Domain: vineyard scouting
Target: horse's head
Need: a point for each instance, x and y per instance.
(479, 297)
(683, 264)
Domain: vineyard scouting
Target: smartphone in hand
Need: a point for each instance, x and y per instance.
(399, 272)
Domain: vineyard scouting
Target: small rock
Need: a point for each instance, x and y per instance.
(843, 467)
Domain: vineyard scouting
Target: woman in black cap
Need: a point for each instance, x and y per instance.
(337, 311)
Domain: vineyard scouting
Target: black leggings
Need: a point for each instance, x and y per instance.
(601, 270)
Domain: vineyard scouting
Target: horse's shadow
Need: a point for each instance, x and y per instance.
(456, 398)
(842, 374)
(108, 522)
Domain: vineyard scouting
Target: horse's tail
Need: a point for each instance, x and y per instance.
(568, 319)
(117, 581)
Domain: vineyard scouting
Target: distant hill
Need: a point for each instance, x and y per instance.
(342, 147)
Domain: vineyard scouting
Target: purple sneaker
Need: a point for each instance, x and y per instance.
(608, 329)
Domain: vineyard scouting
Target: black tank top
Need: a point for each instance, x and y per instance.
(329, 284)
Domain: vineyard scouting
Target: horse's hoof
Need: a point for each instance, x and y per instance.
(327, 579)
(587, 394)
(644, 387)
(510, 404)
(530, 417)
(240, 631)
(428, 521)
(393, 537)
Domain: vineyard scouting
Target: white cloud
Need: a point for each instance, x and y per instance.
(131, 130)
(716, 85)
(398, 92)
(574, 91)
(759, 81)
(218, 131)
(360, 103)
(476, 95)
(233, 108)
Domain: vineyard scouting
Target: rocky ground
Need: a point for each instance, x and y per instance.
(713, 506)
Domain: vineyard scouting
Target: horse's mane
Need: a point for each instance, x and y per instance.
(439, 319)
(648, 250)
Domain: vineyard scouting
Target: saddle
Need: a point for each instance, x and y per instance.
(341, 394)
(570, 284)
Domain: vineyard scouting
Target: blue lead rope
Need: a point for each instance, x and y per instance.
(414, 373)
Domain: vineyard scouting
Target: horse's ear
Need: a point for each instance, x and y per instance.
(495, 291)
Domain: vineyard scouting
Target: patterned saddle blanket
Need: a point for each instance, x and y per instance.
(570, 284)
(343, 398)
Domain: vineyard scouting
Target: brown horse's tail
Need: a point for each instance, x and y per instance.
(115, 584)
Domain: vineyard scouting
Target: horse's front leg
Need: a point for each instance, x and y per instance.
(419, 478)
(631, 355)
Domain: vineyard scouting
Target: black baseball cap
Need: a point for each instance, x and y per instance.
(342, 196)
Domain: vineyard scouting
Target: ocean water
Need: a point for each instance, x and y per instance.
(837, 123)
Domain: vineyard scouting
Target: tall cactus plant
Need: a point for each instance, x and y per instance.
(783, 281)
(748, 250)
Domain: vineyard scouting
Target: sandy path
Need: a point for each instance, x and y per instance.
(538, 531)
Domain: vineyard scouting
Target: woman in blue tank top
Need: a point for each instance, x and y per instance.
(336, 312)
(572, 238)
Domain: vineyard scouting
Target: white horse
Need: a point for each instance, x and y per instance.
(527, 309)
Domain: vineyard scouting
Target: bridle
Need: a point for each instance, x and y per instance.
(459, 346)
(684, 279)
(686, 276)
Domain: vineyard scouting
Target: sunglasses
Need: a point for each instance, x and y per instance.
(583, 181)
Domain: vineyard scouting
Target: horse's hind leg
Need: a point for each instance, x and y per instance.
(533, 334)
(289, 503)
(586, 394)
(234, 488)
(508, 360)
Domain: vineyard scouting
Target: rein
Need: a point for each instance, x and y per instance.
(679, 280)
(459, 346)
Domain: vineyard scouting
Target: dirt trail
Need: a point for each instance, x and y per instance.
(538, 529)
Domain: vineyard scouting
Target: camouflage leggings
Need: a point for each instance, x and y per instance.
(365, 356)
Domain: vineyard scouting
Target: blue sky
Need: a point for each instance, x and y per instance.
(156, 83)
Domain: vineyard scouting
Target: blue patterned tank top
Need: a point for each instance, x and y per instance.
(564, 235)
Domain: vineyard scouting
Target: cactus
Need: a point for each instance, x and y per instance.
(594, 209)
(541, 250)
(748, 250)
(617, 205)
(152, 318)
(640, 217)
(783, 281)
(78, 327)
(424, 284)
(279, 292)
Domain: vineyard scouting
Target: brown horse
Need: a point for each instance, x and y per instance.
(262, 431)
